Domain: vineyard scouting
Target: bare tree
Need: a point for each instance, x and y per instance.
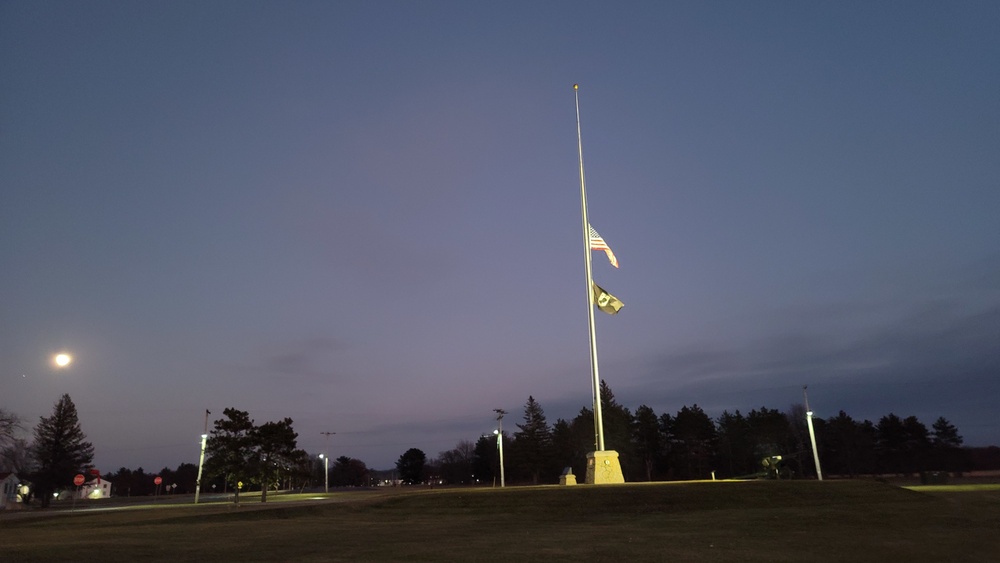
(9, 424)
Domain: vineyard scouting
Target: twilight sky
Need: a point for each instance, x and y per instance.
(365, 216)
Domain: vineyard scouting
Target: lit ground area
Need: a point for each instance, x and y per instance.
(702, 521)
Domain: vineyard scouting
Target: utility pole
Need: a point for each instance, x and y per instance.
(500, 413)
(812, 434)
(201, 459)
(326, 462)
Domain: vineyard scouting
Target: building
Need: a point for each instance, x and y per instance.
(10, 490)
(95, 488)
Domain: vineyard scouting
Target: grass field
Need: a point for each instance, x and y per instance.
(700, 521)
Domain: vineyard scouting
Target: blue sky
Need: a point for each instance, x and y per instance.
(365, 215)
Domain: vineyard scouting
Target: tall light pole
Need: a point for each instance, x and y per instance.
(326, 462)
(812, 434)
(201, 459)
(499, 433)
(326, 472)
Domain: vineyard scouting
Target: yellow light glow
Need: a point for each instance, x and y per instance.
(63, 360)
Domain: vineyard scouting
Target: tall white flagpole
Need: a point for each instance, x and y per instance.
(596, 390)
(201, 460)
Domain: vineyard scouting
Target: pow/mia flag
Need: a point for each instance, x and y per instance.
(605, 301)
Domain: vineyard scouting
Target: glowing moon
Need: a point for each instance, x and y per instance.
(63, 360)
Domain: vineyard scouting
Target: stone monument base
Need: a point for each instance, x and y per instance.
(603, 468)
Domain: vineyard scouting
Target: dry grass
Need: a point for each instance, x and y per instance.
(720, 521)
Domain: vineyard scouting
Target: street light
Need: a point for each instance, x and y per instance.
(500, 447)
(326, 472)
(326, 461)
(812, 434)
(499, 433)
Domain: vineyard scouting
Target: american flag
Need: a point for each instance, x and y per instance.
(597, 243)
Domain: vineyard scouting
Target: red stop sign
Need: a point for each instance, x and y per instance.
(78, 480)
(158, 480)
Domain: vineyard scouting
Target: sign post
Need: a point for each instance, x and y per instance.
(78, 480)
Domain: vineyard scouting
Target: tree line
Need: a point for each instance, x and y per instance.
(240, 455)
(689, 444)
(685, 445)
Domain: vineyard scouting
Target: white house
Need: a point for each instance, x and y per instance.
(9, 485)
(96, 488)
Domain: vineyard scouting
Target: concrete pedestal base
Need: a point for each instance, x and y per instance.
(567, 479)
(603, 468)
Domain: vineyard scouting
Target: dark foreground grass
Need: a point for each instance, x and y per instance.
(714, 521)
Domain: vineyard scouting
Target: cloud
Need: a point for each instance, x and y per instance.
(937, 360)
(302, 358)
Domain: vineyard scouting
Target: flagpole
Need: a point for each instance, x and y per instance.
(596, 383)
(201, 460)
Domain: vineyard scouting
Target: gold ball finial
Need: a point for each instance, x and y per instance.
(576, 86)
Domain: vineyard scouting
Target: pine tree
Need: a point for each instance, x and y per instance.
(485, 464)
(349, 472)
(918, 444)
(945, 434)
(231, 449)
(648, 438)
(946, 445)
(693, 443)
(890, 445)
(60, 450)
(411, 465)
(276, 453)
(619, 433)
(736, 456)
(533, 441)
(240, 451)
(565, 448)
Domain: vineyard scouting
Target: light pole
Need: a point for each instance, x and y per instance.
(326, 461)
(326, 472)
(499, 433)
(812, 434)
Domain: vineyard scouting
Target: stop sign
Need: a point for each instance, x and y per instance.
(158, 480)
(78, 480)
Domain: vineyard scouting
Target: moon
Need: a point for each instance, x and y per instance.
(63, 360)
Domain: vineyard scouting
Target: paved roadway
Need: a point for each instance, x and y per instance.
(248, 501)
